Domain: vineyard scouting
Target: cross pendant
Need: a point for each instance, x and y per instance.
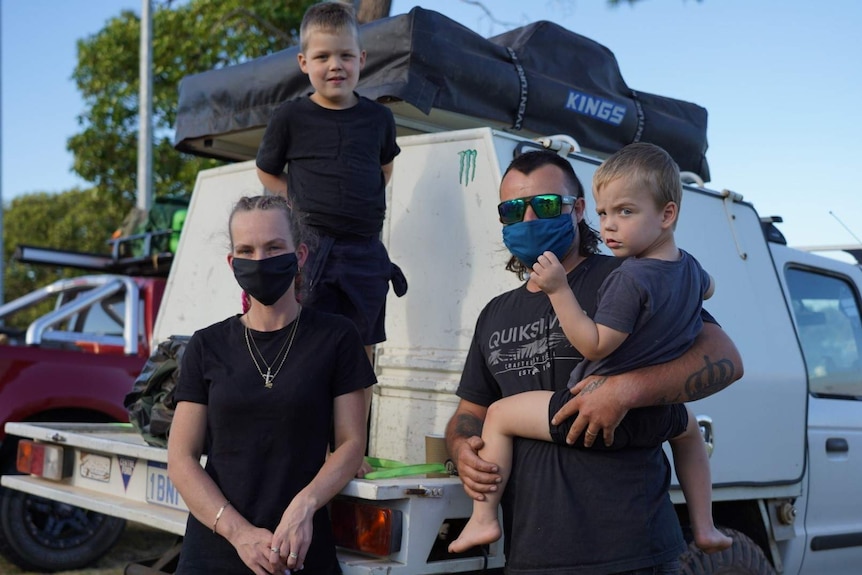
(267, 379)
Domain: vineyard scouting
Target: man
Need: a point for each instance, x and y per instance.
(571, 511)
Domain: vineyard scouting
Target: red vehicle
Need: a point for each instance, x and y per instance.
(74, 363)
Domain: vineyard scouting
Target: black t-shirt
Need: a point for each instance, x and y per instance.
(333, 160)
(567, 511)
(265, 445)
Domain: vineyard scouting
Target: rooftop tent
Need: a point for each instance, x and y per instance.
(436, 74)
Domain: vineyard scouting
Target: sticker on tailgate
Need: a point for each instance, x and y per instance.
(127, 467)
(95, 466)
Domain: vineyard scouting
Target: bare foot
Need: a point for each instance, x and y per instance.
(711, 540)
(476, 532)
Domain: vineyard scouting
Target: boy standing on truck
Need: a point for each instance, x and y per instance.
(338, 147)
(649, 312)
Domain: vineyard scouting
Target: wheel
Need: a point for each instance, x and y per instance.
(42, 535)
(744, 557)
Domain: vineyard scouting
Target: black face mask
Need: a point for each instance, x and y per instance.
(268, 279)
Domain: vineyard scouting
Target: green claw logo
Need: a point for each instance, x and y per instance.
(467, 166)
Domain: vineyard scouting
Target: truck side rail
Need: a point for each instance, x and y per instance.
(99, 288)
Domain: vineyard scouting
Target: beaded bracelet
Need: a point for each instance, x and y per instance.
(218, 515)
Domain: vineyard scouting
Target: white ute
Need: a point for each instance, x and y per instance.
(782, 439)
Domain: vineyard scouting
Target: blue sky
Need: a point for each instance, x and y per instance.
(781, 80)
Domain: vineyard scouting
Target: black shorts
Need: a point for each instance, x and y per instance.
(641, 427)
(350, 277)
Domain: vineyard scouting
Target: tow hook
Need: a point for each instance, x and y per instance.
(786, 513)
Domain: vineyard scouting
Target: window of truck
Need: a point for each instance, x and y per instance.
(826, 312)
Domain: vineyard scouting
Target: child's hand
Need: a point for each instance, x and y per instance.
(549, 274)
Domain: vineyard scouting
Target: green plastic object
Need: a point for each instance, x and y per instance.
(177, 221)
(388, 468)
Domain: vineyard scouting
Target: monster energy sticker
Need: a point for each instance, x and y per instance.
(467, 171)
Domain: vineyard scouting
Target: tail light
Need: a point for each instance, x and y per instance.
(42, 459)
(366, 528)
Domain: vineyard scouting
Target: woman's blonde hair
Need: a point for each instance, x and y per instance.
(299, 232)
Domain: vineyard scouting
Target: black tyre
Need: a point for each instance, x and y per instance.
(42, 535)
(744, 557)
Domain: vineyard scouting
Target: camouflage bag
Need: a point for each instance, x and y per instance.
(151, 402)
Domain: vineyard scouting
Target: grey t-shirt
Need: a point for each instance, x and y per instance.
(659, 303)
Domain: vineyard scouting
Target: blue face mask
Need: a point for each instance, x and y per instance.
(528, 240)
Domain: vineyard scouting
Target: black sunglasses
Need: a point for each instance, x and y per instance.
(544, 205)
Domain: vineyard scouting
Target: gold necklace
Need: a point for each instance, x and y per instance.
(269, 376)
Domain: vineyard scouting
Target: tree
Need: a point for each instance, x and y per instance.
(193, 37)
(370, 10)
(76, 218)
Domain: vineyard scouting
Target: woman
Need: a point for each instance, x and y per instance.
(260, 394)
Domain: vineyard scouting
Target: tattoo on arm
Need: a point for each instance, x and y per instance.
(467, 425)
(713, 377)
(600, 380)
(594, 384)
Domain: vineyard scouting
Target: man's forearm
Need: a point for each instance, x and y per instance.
(711, 364)
(462, 426)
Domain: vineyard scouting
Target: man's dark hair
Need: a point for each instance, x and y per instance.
(528, 162)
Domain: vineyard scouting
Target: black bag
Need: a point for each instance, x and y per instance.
(151, 402)
(539, 79)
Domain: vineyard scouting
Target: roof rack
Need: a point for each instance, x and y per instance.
(854, 250)
(121, 260)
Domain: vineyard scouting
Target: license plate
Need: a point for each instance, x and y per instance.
(160, 490)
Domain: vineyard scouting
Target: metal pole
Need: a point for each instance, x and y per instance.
(2, 205)
(145, 112)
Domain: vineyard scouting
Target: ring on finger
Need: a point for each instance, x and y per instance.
(590, 433)
(293, 555)
(274, 549)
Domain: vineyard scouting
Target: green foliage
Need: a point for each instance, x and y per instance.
(79, 218)
(192, 37)
(188, 37)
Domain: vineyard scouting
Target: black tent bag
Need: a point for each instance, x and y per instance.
(538, 79)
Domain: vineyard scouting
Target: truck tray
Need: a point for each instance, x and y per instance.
(115, 472)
